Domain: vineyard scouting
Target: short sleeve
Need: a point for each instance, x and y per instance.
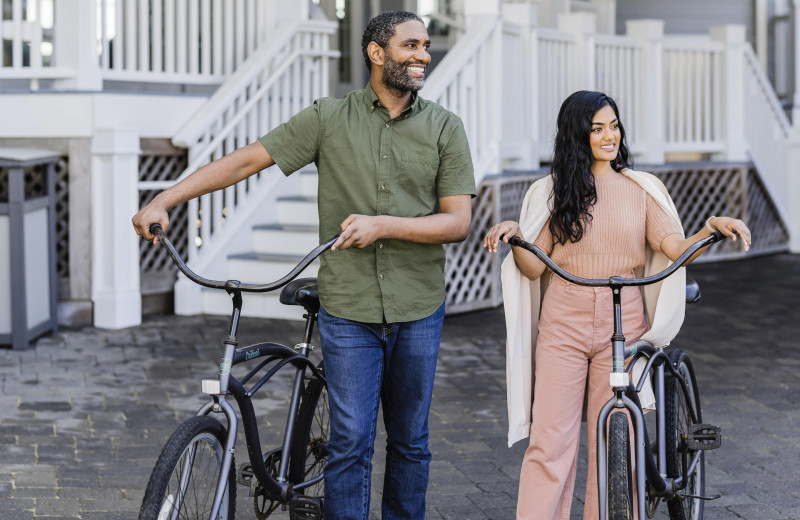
(455, 175)
(659, 224)
(545, 239)
(295, 143)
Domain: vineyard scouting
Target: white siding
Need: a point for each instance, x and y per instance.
(687, 16)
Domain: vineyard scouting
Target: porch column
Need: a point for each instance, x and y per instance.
(75, 44)
(733, 38)
(116, 293)
(651, 87)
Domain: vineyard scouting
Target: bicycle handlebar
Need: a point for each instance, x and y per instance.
(619, 281)
(156, 230)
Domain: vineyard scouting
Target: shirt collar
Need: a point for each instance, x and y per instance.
(372, 101)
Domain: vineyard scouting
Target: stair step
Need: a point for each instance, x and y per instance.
(286, 238)
(298, 210)
(264, 305)
(262, 268)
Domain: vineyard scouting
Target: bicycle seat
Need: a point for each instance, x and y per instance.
(692, 290)
(303, 292)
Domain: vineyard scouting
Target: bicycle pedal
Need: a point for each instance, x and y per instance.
(244, 474)
(703, 437)
(302, 507)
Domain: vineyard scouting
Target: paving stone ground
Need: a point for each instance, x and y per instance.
(84, 413)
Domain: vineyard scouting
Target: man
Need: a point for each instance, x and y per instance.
(395, 176)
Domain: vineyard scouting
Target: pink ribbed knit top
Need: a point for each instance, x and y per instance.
(625, 219)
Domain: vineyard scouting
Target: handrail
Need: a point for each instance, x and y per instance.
(618, 281)
(245, 75)
(459, 56)
(769, 92)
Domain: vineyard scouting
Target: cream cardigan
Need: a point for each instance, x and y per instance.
(664, 302)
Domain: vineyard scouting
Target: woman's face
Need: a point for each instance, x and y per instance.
(605, 135)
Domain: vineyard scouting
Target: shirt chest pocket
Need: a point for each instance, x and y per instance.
(417, 169)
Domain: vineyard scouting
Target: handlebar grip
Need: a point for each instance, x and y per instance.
(155, 229)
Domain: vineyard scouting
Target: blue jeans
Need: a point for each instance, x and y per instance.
(367, 364)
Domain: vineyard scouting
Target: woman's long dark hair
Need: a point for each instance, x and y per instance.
(574, 192)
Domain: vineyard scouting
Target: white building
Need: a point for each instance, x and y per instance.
(133, 94)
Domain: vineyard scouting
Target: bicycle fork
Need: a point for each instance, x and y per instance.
(619, 379)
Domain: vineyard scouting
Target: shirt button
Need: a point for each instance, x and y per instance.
(380, 276)
(387, 125)
(380, 246)
(384, 156)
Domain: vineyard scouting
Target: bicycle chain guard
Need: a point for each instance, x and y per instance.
(703, 437)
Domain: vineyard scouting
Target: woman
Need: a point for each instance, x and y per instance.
(596, 218)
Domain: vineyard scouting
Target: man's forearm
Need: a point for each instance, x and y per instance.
(220, 174)
(442, 228)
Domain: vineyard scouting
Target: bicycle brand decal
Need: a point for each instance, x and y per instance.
(224, 368)
(250, 354)
(618, 363)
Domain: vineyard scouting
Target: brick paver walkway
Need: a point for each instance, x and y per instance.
(84, 414)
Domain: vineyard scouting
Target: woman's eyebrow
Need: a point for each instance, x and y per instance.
(598, 123)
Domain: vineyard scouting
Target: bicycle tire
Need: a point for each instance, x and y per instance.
(309, 452)
(678, 418)
(620, 488)
(207, 435)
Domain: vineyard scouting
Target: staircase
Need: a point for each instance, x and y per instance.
(276, 248)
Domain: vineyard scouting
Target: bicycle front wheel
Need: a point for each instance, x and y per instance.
(184, 480)
(309, 452)
(686, 505)
(620, 488)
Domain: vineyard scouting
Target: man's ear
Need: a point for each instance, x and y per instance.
(376, 53)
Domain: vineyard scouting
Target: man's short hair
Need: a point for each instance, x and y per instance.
(381, 28)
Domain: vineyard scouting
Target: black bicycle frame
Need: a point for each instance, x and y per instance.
(227, 384)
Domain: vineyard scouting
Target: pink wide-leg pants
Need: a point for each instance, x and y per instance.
(574, 344)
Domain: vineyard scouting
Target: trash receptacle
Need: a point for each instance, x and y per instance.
(27, 245)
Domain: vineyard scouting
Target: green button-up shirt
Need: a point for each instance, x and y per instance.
(370, 164)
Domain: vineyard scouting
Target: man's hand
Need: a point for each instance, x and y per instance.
(358, 231)
(153, 213)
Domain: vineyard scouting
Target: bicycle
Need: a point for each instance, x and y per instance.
(672, 468)
(194, 476)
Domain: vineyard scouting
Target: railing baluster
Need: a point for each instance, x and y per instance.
(16, 39)
(144, 35)
(217, 39)
(157, 59)
(205, 38)
(170, 36)
(131, 62)
(194, 36)
(230, 62)
(181, 20)
(240, 34)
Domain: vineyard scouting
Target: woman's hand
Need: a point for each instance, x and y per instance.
(727, 226)
(505, 229)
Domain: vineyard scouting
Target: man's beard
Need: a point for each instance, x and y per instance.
(395, 75)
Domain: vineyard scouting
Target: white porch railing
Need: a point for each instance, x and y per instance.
(185, 42)
(178, 41)
(277, 81)
(767, 132)
(693, 81)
